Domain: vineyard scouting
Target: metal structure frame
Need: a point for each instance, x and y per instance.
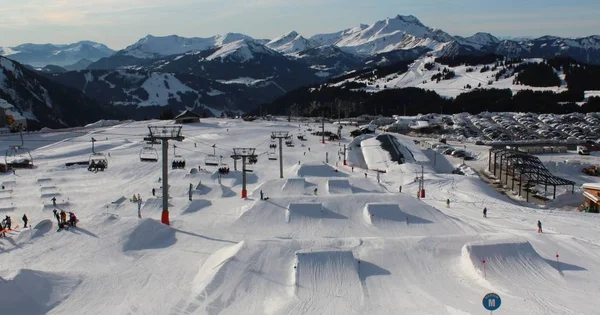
(528, 168)
(164, 134)
(18, 150)
(280, 135)
(244, 153)
(211, 159)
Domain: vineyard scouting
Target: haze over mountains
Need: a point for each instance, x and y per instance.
(260, 70)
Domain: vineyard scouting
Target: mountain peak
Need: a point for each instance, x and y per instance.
(409, 19)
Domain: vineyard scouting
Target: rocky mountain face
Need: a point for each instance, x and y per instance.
(46, 103)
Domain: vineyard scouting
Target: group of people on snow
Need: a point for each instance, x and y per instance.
(6, 224)
(61, 218)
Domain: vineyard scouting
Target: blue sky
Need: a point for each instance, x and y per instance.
(118, 23)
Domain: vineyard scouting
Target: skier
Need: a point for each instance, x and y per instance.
(56, 216)
(352, 169)
(400, 188)
(8, 223)
(485, 212)
(153, 192)
(315, 191)
(53, 201)
(63, 217)
(365, 175)
(448, 203)
(262, 197)
(24, 220)
(539, 225)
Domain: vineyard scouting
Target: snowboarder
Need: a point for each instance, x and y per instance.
(24, 220)
(352, 169)
(153, 192)
(365, 175)
(8, 223)
(195, 145)
(134, 198)
(539, 225)
(56, 216)
(63, 217)
(485, 212)
(448, 203)
(159, 179)
(53, 201)
(400, 188)
(262, 197)
(308, 149)
(315, 191)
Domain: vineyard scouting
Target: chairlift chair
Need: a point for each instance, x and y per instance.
(272, 155)
(97, 162)
(211, 160)
(148, 154)
(178, 160)
(18, 157)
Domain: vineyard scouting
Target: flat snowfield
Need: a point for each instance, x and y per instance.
(330, 238)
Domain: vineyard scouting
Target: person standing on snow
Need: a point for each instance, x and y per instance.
(8, 222)
(261, 195)
(153, 192)
(539, 225)
(485, 212)
(315, 191)
(24, 220)
(448, 203)
(56, 216)
(63, 217)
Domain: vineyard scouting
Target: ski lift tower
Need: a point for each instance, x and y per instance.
(280, 135)
(244, 153)
(165, 133)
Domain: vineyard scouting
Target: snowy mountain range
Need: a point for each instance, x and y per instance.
(46, 103)
(143, 94)
(40, 55)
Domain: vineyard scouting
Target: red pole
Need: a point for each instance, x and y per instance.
(557, 262)
(483, 261)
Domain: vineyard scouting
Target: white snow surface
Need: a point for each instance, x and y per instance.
(355, 246)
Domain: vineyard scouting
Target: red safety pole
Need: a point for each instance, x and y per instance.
(557, 262)
(483, 261)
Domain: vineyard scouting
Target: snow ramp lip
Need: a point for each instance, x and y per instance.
(294, 186)
(309, 211)
(377, 213)
(339, 187)
(508, 260)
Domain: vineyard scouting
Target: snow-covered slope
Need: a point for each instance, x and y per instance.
(291, 42)
(324, 242)
(40, 55)
(465, 79)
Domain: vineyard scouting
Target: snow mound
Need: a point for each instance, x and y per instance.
(42, 228)
(149, 234)
(318, 170)
(197, 205)
(389, 213)
(35, 292)
(327, 273)
(507, 261)
(294, 186)
(339, 186)
(303, 211)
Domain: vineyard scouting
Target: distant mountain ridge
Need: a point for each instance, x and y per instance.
(40, 55)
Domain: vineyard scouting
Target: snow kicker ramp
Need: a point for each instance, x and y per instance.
(390, 214)
(294, 186)
(304, 211)
(508, 261)
(320, 274)
(318, 170)
(339, 187)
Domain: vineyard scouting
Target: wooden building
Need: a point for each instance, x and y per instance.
(592, 197)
